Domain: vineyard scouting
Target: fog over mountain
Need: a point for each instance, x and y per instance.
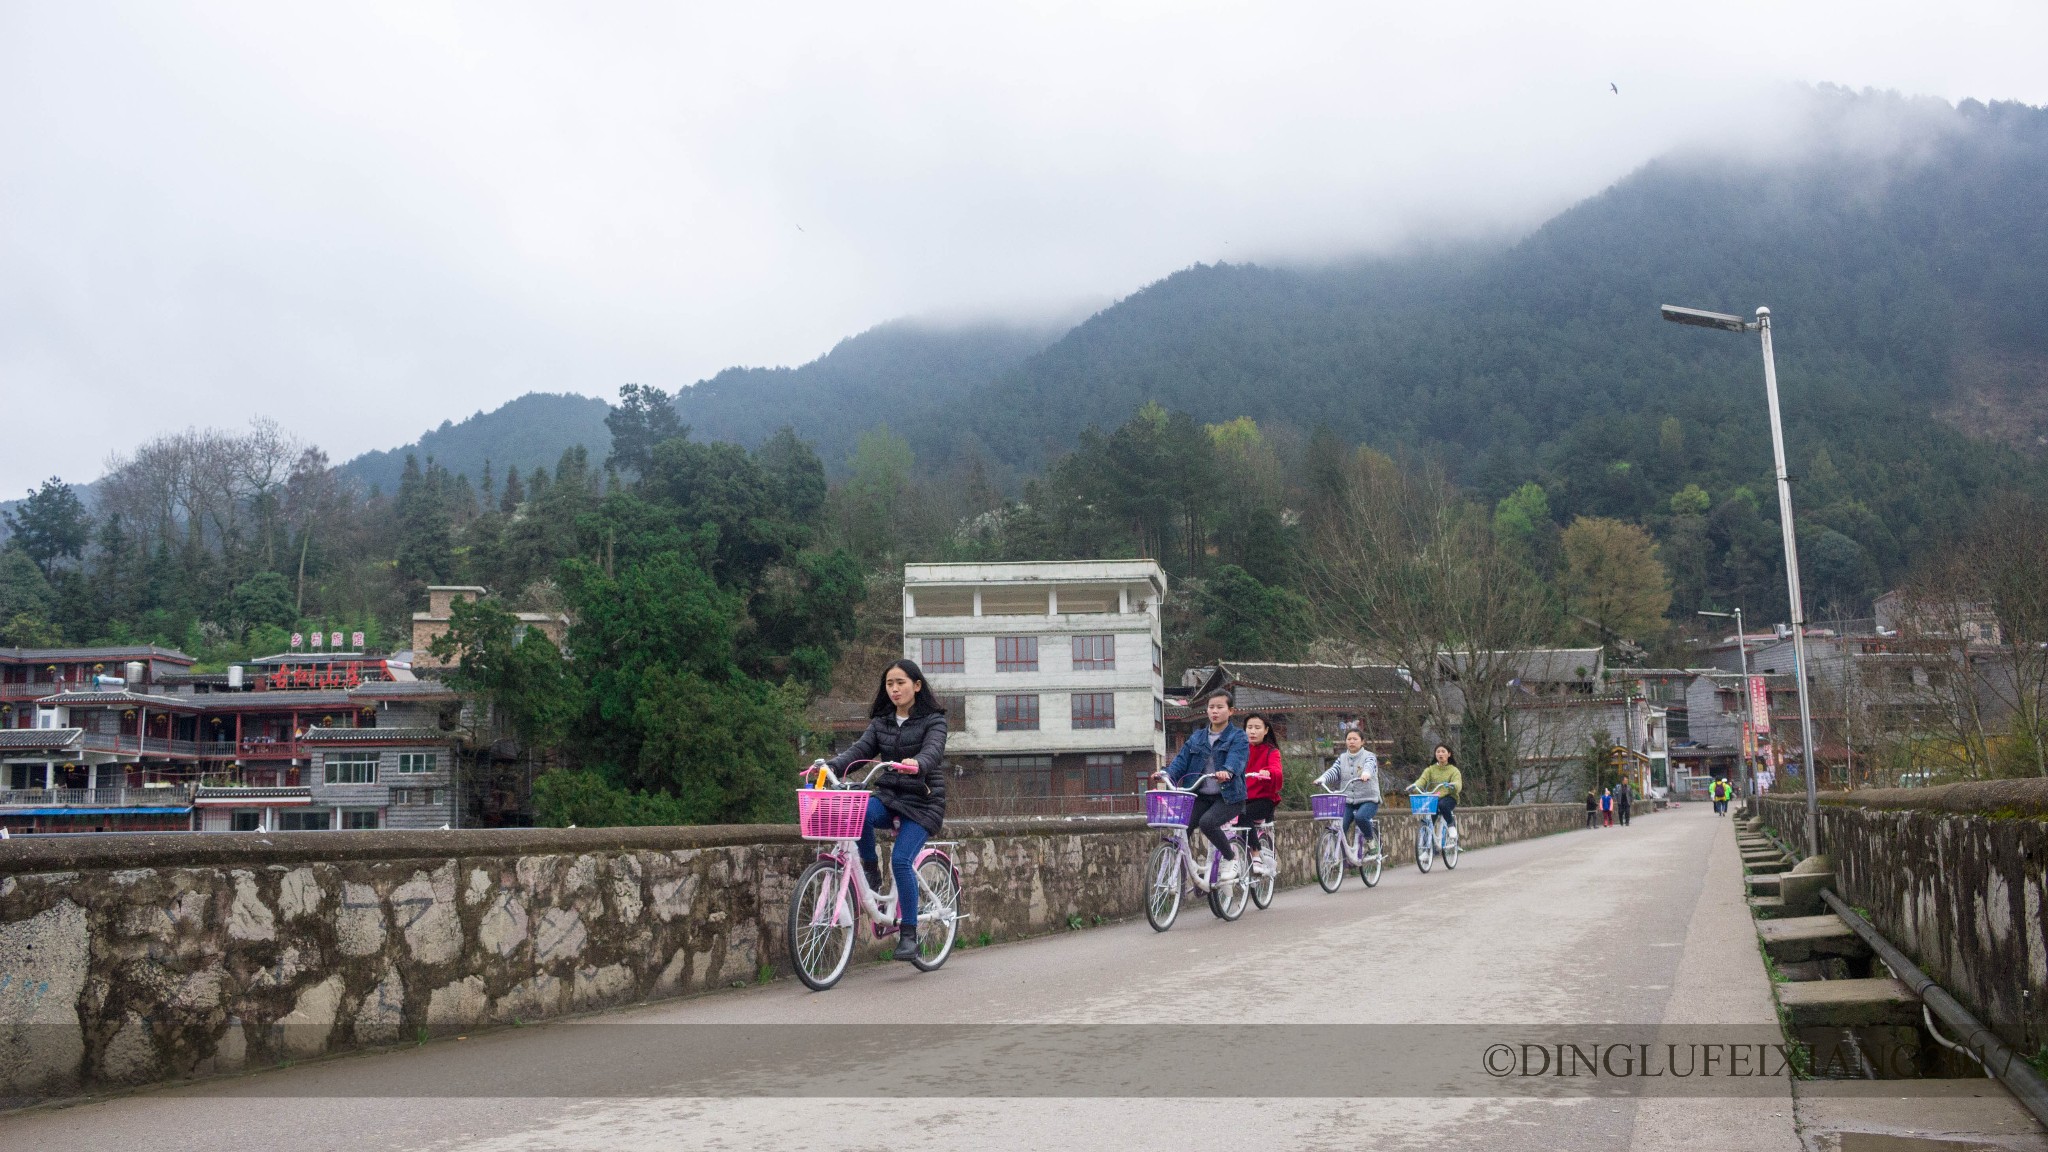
(364, 224)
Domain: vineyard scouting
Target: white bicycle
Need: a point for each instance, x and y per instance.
(1434, 835)
(1337, 849)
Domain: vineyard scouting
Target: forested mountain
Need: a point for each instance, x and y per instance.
(532, 431)
(895, 373)
(1909, 289)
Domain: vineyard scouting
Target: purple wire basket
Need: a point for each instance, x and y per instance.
(1164, 809)
(1326, 806)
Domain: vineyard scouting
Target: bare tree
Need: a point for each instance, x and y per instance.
(1408, 570)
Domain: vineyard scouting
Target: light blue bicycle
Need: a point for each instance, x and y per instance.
(1434, 835)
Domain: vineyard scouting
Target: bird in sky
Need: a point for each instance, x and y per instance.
(1612, 88)
(799, 227)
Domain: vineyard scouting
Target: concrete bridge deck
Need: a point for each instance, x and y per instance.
(1358, 1019)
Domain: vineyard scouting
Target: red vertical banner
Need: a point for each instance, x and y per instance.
(1760, 703)
(1748, 741)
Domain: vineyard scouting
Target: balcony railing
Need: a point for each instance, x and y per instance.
(30, 691)
(178, 795)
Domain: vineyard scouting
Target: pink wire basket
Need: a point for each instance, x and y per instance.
(831, 813)
(1166, 809)
(1326, 806)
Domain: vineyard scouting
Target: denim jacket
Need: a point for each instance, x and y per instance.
(1203, 754)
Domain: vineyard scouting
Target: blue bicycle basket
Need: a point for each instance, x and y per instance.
(1421, 805)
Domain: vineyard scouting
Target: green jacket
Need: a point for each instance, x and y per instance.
(1437, 774)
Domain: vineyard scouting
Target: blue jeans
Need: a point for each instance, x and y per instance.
(1361, 813)
(910, 838)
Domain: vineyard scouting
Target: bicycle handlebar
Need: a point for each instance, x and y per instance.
(837, 781)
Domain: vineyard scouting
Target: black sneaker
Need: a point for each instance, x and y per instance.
(906, 945)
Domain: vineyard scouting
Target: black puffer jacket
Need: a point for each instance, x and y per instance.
(922, 738)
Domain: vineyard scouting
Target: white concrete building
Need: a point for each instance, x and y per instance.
(1050, 671)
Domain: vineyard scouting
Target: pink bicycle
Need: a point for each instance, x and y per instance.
(832, 895)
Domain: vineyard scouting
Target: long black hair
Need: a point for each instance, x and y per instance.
(925, 701)
(1272, 737)
(1453, 761)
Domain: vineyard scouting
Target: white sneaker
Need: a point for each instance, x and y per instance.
(1228, 873)
(1267, 861)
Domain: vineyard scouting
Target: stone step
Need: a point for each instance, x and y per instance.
(1798, 939)
(1765, 884)
(1775, 864)
(1874, 1002)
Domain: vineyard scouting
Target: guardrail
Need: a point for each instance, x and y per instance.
(118, 797)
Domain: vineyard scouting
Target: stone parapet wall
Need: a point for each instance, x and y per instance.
(1954, 877)
(133, 959)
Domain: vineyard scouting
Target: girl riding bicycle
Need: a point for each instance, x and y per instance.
(1262, 777)
(1356, 773)
(907, 729)
(1212, 762)
(1445, 775)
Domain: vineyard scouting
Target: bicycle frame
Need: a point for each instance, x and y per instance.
(1204, 879)
(879, 908)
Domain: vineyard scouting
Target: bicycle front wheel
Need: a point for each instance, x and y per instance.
(1370, 860)
(938, 911)
(1425, 843)
(821, 926)
(1329, 858)
(1162, 886)
(1450, 850)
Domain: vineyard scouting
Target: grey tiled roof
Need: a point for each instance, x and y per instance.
(20, 739)
(143, 699)
(405, 690)
(81, 655)
(282, 700)
(377, 736)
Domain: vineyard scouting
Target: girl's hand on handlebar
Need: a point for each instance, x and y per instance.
(1222, 775)
(907, 767)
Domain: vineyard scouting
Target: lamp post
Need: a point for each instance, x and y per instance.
(1748, 702)
(1762, 325)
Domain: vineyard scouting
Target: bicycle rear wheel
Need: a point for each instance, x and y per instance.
(1450, 851)
(1425, 844)
(1370, 861)
(821, 926)
(1263, 885)
(938, 911)
(1329, 858)
(1162, 886)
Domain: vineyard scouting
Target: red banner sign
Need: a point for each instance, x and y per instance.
(1760, 703)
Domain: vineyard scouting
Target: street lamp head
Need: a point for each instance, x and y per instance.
(1703, 319)
(1722, 615)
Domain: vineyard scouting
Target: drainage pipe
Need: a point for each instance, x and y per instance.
(2011, 1069)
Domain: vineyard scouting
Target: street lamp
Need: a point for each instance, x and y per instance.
(1702, 319)
(1748, 702)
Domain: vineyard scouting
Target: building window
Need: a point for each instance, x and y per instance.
(1158, 714)
(1156, 661)
(359, 819)
(1105, 773)
(1020, 775)
(1016, 713)
(351, 768)
(1094, 709)
(410, 762)
(245, 821)
(1016, 653)
(1094, 653)
(955, 708)
(417, 796)
(304, 820)
(945, 654)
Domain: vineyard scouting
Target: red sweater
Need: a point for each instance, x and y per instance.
(1264, 758)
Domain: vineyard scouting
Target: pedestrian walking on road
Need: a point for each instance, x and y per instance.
(1607, 807)
(1262, 778)
(1592, 809)
(1356, 773)
(1621, 802)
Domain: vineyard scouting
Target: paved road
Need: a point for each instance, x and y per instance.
(1328, 1021)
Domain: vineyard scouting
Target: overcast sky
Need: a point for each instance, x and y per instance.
(364, 219)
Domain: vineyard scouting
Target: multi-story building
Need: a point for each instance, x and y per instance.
(1051, 674)
(431, 624)
(129, 739)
